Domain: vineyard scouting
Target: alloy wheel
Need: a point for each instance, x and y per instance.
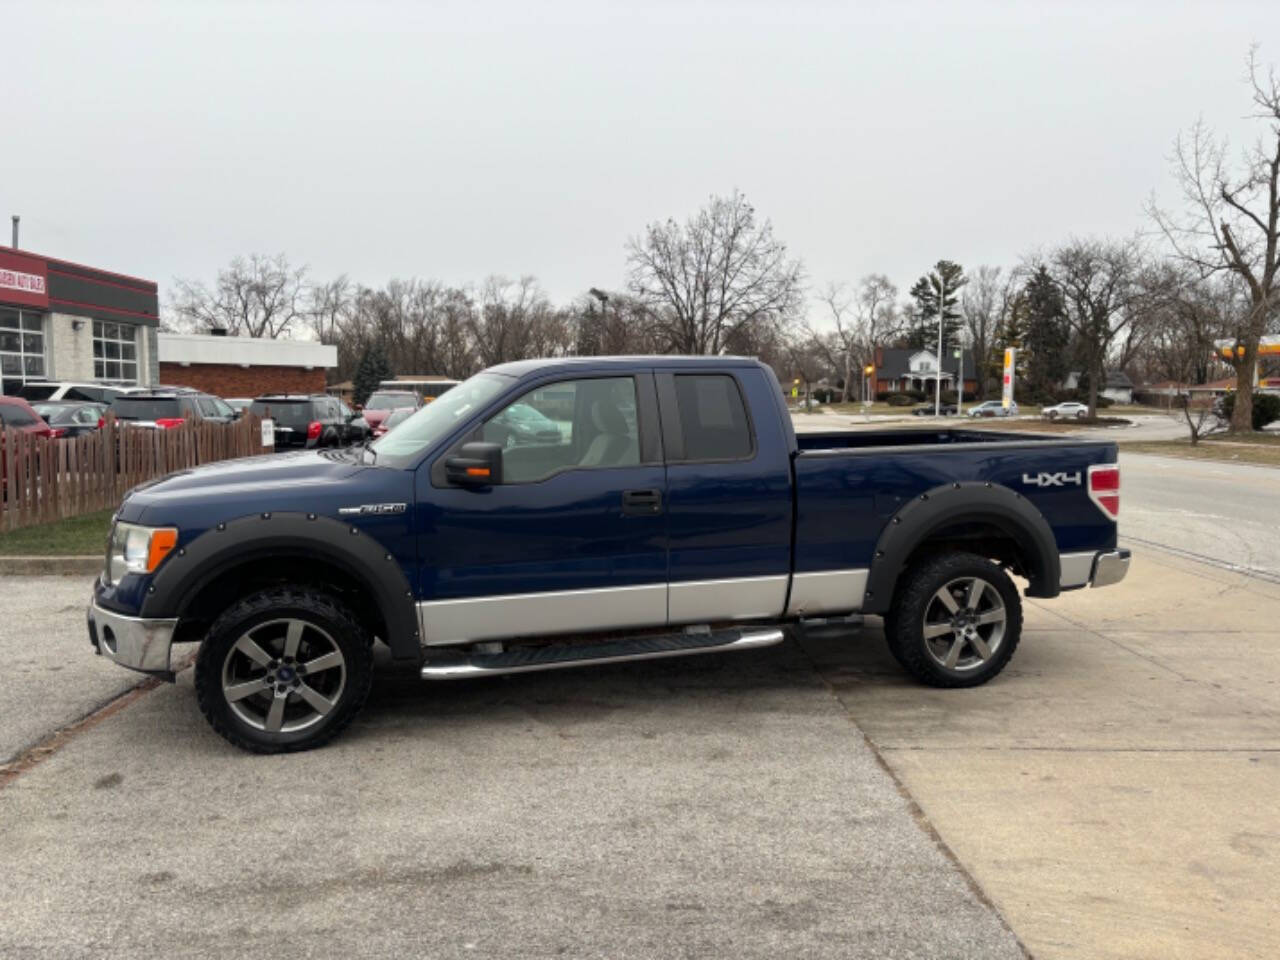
(964, 624)
(283, 676)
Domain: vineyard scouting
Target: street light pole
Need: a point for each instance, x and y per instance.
(942, 309)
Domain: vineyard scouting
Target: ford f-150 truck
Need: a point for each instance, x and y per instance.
(672, 511)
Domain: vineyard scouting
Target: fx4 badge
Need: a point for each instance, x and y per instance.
(1051, 479)
(373, 509)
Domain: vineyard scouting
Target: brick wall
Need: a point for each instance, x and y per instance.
(229, 380)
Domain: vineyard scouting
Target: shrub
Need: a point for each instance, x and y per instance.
(903, 399)
(823, 394)
(1266, 408)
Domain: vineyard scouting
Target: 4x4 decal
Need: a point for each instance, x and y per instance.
(1052, 479)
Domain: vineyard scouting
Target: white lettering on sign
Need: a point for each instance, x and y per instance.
(26, 282)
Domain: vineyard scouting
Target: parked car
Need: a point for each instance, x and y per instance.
(393, 419)
(34, 390)
(165, 409)
(469, 559)
(1068, 408)
(382, 402)
(303, 420)
(239, 404)
(926, 410)
(16, 414)
(357, 427)
(994, 408)
(70, 418)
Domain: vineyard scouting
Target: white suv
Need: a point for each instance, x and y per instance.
(34, 390)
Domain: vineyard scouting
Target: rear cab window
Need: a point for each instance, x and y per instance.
(288, 413)
(713, 417)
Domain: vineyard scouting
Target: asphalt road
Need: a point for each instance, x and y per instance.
(1226, 513)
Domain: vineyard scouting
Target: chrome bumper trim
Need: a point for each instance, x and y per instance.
(1077, 568)
(1110, 568)
(133, 642)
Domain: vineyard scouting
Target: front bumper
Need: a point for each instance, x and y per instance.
(1097, 569)
(135, 642)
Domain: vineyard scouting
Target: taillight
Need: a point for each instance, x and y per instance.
(168, 423)
(313, 430)
(102, 422)
(1104, 488)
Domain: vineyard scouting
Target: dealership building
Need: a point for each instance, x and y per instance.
(66, 321)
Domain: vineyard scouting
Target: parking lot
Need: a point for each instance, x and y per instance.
(1110, 795)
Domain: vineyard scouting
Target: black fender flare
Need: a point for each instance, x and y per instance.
(955, 503)
(221, 549)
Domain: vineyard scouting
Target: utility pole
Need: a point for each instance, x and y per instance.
(942, 310)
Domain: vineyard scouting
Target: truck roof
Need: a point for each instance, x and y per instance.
(519, 368)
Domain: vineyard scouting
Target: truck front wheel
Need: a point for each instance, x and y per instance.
(284, 669)
(956, 620)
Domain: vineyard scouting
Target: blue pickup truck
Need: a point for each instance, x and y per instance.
(670, 509)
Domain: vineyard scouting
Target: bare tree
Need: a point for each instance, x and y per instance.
(514, 320)
(709, 280)
(985, 301)
(256, 297)
(864, 320)
(329, 307)
(1231, 222)
(1098, 280)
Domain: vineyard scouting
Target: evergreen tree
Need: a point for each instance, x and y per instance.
(1047, 334)
(372, 369)
(944, 281)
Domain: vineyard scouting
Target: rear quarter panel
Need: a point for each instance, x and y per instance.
(844, 498)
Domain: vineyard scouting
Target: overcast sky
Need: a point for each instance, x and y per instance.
(451, 141)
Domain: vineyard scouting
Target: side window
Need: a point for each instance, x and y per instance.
(79, 393)
(207, 407)
(568, 424)
(713, 417)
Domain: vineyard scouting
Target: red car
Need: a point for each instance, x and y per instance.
(16, 414)
(381, 402)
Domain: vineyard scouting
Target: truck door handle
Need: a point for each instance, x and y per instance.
(641, 503)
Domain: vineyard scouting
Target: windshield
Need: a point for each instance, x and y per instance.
(391, 400)
(435, 420)
(145, 408)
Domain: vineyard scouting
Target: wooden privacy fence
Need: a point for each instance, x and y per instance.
(46, 479)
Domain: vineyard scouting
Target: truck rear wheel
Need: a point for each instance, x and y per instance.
(284, 669)
(956, 620)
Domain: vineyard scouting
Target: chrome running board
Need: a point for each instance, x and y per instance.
(561, 657)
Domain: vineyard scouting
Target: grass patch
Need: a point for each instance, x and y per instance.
(1249, 448)
(85, 535)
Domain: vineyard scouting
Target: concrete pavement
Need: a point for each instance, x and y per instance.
(50, 677)
(704, 807)
(1113, 791)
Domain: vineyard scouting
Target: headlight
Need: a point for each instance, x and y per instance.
(135, 549)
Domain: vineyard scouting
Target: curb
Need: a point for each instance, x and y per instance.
(50, 566)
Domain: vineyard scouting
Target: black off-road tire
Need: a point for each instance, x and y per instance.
(308, 604)
(904, 624)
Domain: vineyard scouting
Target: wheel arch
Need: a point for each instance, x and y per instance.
(984, 518)
(234, 558)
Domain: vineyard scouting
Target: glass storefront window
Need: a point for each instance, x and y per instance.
(115, 351)
(21, 347)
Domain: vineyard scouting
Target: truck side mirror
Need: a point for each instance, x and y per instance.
(475, 465)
